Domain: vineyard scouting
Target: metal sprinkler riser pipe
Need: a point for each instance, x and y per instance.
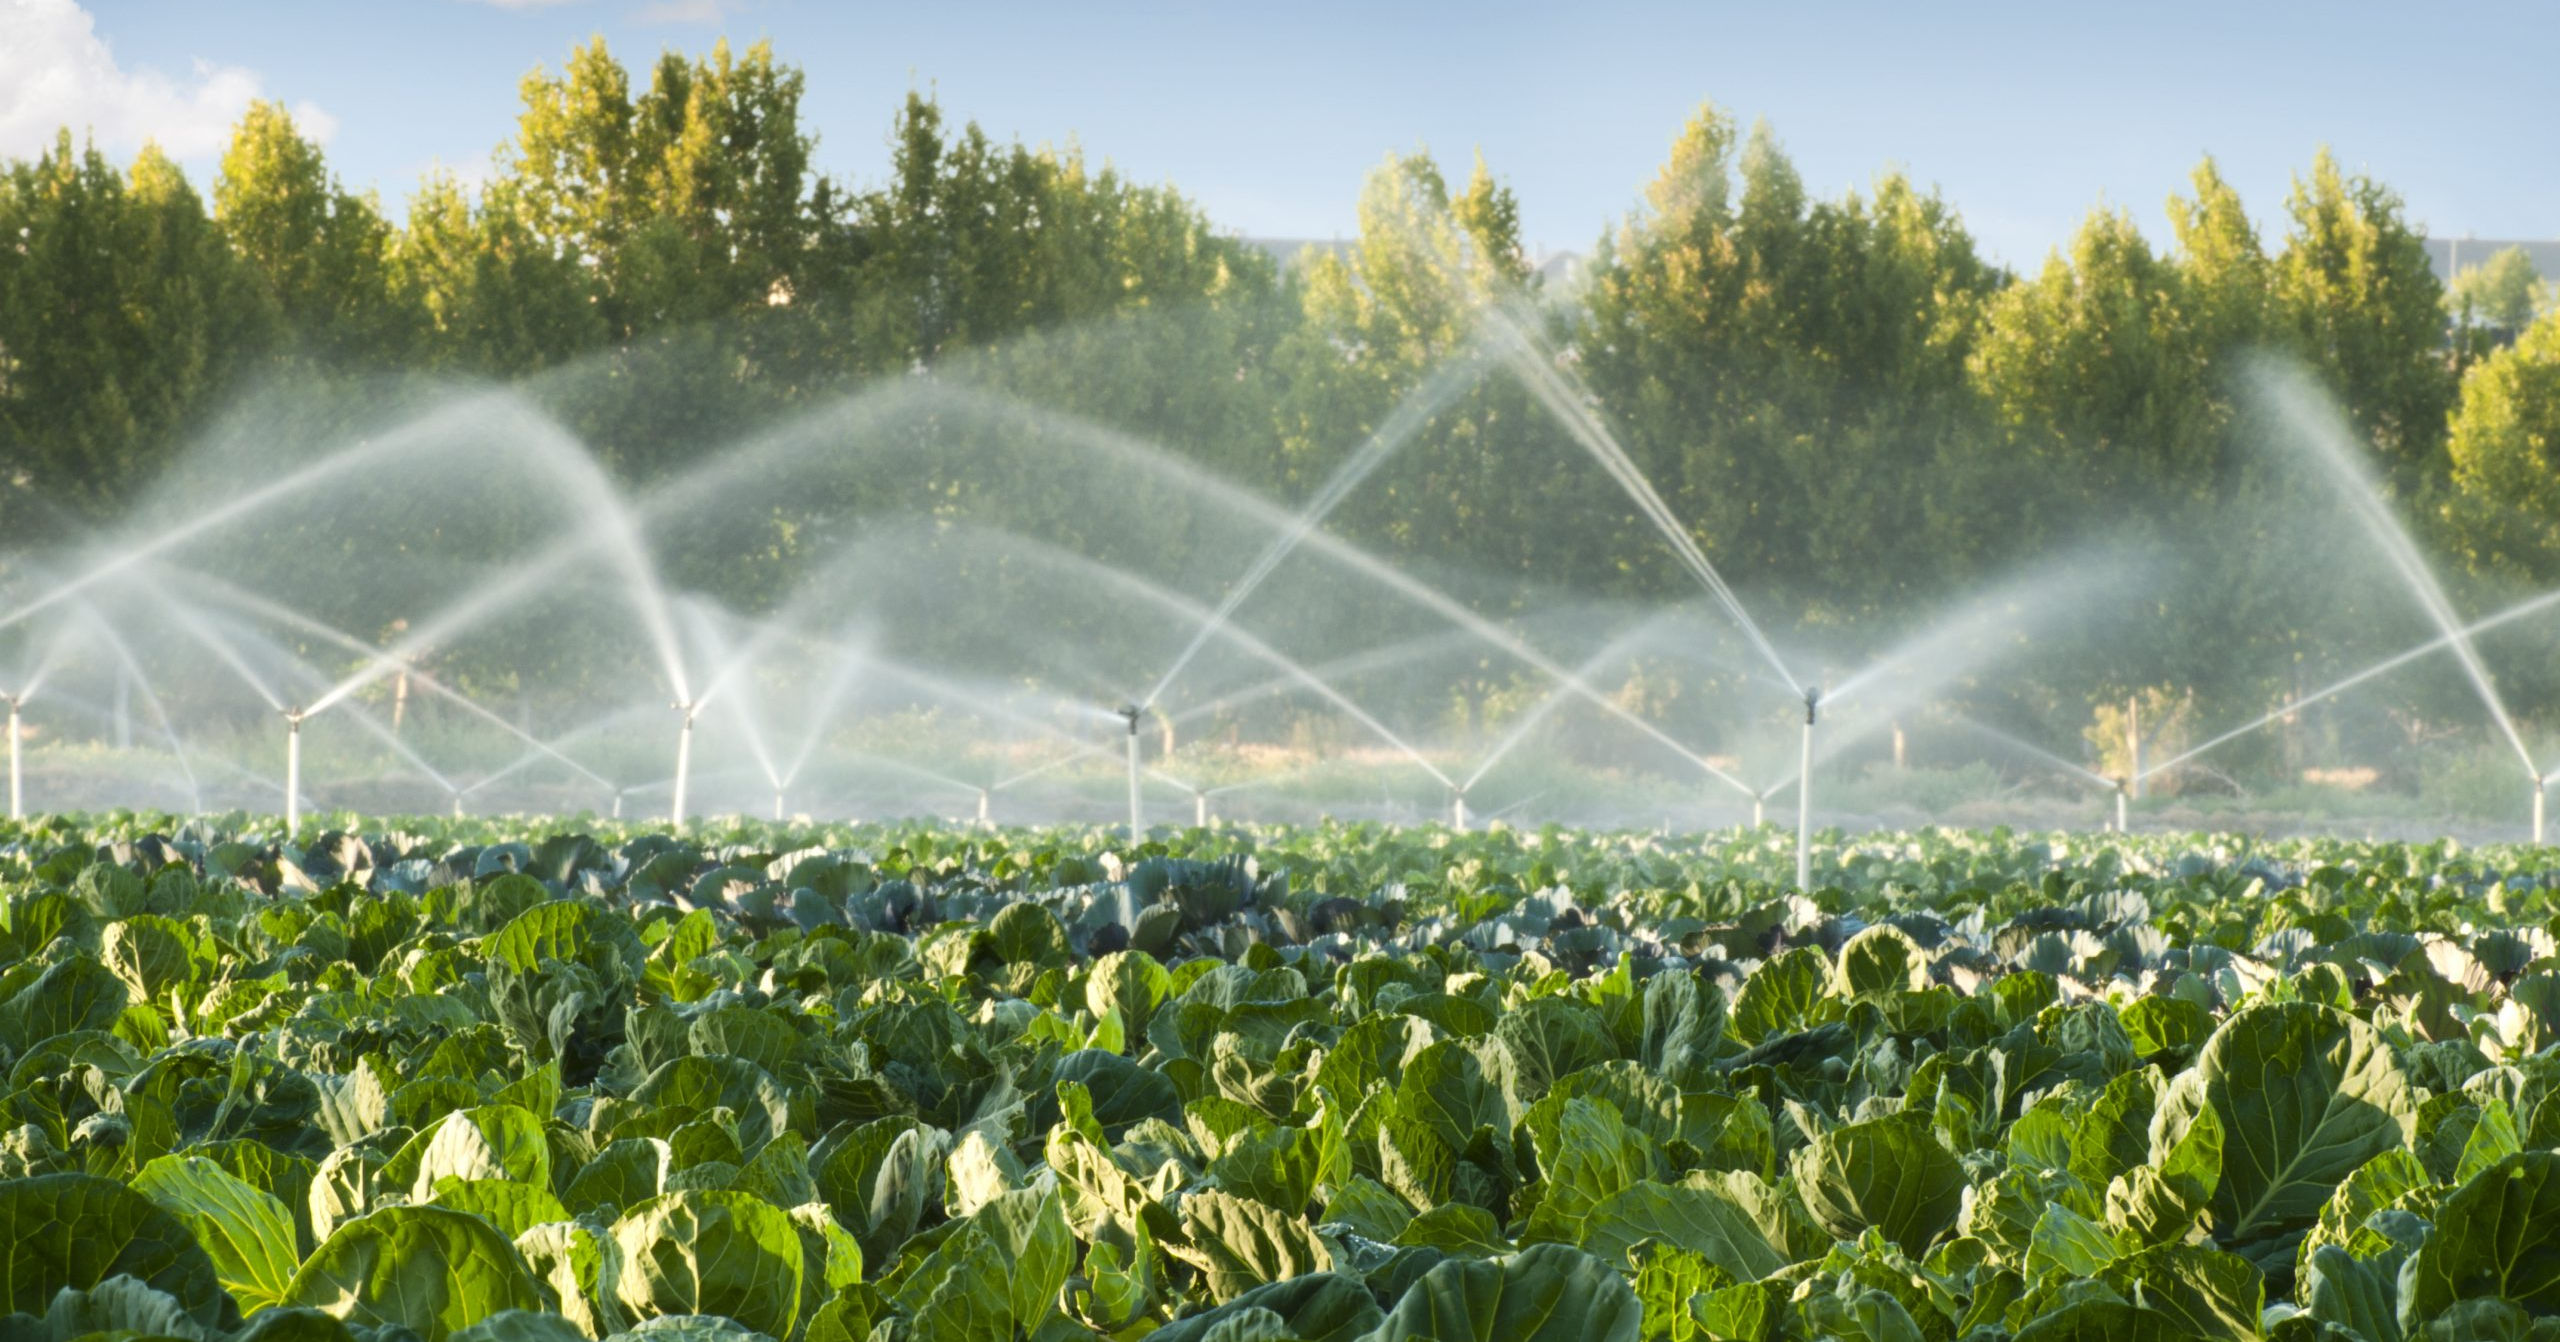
(1804, 792)
(1137, 801)
(293, 772)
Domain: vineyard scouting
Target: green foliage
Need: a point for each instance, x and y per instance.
(1899, 1130)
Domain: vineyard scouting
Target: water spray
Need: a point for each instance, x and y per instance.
(293, 771)
(17, 791)
(684, 761)
(1804, 793)
(1137, 803)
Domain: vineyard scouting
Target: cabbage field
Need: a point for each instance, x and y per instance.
(483, 1081)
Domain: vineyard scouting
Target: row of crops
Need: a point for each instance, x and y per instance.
(482, 1082)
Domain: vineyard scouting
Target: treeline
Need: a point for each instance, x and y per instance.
(1856, 413)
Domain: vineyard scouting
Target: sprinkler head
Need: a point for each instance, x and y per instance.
(293, 717)
(1129, 713)
(1812, 699)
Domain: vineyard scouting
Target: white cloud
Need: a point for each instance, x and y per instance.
(685, 11)
(55, 71)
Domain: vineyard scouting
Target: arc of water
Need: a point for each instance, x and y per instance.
(106, 633)
(840, 680)
(612, 527)
(1189, 609)
(1554, 699)
(2078, 772)
(192, 621)
(168, 538)
(582, 731)
(1537, 370)
(1410, 414)
(1134, 452)
(2327, 435)
(418, 676)
(2383, 667)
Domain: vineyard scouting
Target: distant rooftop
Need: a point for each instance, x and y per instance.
(2445, 253)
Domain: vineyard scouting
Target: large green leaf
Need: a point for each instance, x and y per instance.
(1699, 1219)
(2305, 1095)
(1545, 1293)
(1890, 1174)
(72, 1231)
(249, 1235)
(2498, 1235)
(431, 1270)
(1239, 1244)
(724, 1253)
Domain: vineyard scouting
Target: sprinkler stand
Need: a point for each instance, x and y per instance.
(1200, 810)
(1458, 811)
(983, 801)
(2124, 791)
(1759, 809)
(457, 806)
(292, 772)
(684, 763)
(1804, 794)
(2539, 791)
(617, 804)
(777, 803)
(1137, 801)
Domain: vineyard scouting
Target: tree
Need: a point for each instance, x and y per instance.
(1788, 370)
(2499, 294)
(122, 315)
(2355, 286)
(321, 251)
(691, 201)
(2504, 443)
(495, 297)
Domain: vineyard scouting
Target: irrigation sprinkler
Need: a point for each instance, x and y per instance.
(293, 771)
(457, 804)
(1458, 810)
(617, 803)
(2124, 792)
(777, 804)
(1199, 809)
(1804, 793)
(17, 791)
(1759, 809)
(986, 797)
(2541, 786)
(1137, 803)
(684, 761)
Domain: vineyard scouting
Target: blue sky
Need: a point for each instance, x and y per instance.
(2024, 115)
